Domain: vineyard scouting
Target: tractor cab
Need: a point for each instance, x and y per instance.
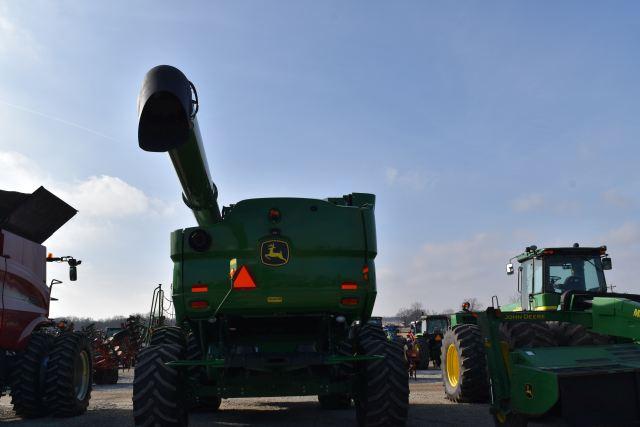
(544, 275)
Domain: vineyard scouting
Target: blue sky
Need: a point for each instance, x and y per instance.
(482, 127)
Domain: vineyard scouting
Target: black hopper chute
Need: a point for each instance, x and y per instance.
(33, 216)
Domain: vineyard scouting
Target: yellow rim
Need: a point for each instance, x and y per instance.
(501, 417)
(453, 365)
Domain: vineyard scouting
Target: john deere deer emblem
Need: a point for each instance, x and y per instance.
(274, 252)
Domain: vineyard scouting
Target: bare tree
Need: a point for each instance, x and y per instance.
(413, 313)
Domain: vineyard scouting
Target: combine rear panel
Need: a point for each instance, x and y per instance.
(317, 257)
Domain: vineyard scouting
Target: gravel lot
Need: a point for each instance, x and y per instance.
(111, 406)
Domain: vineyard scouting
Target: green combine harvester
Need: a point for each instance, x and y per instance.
(272, 295)
(566, 351)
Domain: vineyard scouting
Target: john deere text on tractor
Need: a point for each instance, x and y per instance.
(272, 295)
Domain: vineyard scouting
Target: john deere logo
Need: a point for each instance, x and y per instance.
(528, 391)
(274, 252)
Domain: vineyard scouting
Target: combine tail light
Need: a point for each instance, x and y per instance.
(349, 286)
(199, 304)
(548, 252)
(243, 279)
(199, 287)
(349, 301)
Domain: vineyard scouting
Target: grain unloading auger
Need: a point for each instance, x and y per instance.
(571, 355)
(271, 295)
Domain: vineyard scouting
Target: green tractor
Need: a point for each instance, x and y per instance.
(429, 331)
(566, 351)
(272, 296)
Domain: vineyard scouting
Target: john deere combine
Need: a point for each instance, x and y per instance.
(272, 295)
(567, 350)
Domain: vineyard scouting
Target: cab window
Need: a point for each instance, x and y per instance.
(538, 273)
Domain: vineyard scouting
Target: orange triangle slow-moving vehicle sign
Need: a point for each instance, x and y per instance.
(243, 279)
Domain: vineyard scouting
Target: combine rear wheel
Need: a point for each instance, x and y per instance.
(157, 392)
(171, 335)
(464, 368)
(69, 375)
(383, 395)
(27, 379)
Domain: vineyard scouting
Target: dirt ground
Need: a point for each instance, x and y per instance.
(111, 406)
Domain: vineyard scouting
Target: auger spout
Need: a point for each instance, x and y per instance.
(167, 122)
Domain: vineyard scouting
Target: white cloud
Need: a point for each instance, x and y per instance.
(413, 180)
(97, 196)
(528, 203)
(109, 196)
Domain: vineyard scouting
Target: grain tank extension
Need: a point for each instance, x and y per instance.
(272, 295)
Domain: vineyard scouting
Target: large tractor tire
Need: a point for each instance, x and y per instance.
(158, 398)
(69, 375)
(27, 379)
(171, 335)
(424, 351)
(383, 396)
(528, 334)
(574, 334)
(464, 366)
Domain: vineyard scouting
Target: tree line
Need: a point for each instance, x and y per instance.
(416, 310)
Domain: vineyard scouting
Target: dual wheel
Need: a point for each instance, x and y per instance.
(381, 397)
(158, 389)
(53, 376)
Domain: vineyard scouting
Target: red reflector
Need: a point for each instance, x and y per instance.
(548, 252)
(349, 301)
(199, 304)
(365, 272)
(349, 286)
(243, 279)
(199, 287)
